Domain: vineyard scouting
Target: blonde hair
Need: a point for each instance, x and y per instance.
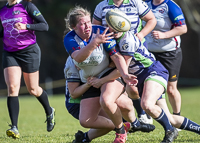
(73, 16)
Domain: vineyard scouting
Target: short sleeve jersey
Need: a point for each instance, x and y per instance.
(98, 61)
(134, 9)
(71, 75)
(130, 45)
(168, 15)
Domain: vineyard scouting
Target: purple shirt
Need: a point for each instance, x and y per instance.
(13, 39)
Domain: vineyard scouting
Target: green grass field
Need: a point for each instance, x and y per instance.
(33, 129)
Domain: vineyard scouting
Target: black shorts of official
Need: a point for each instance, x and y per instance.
(28, 59)
(96, 92)
(171, 60)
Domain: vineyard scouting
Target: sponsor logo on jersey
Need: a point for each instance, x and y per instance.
(16, 12)
(161, 10)
(179, 17)
(112, 44)
(153, 73)
(36, 13)
(72, 74)
(125, 46)
(19, 19)
(128, 10)
(92, 61)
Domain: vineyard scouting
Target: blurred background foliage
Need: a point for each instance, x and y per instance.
(54, 54)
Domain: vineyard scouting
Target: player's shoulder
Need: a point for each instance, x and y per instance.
(27, 4)
(69, 35)
(147, 1)
(104, 2)
(2, 7)
(128, 36)
(96, 27)
(171, 4)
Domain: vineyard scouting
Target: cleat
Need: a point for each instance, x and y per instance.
(80, 138)
(143, 128)
(170, 136)
(127, 126)
(51, 121)
(179, 129)
(120, 138)
(145, 118)
(13, 132)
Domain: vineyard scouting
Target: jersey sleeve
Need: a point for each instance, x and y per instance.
(98, 12)
(71, 72)
(70, 44)
(176, 14)
(110, 47)
(40, 23)
(129, 44)
(1, 30)
(142, 7)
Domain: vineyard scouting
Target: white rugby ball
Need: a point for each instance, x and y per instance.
(118, 20)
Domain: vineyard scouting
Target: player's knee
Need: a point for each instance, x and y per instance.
(105, 103)
(33, 91)
(126, 105)
(147, 106)
(171, 88)
(13, 88)
(85, 123)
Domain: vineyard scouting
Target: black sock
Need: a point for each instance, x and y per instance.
(13, 109)
(120, 130)
(179, 113)
(43, 99)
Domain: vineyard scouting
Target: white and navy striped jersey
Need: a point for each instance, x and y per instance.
(134, 9)
(71, 75)
(168, 14)
(130, 45)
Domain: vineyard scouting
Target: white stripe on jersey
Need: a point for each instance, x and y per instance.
(130, 45)
(135, 9)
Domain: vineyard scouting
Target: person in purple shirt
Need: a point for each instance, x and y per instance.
(22, 55)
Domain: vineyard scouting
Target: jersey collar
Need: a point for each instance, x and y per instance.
(110, 2)
(121, 37)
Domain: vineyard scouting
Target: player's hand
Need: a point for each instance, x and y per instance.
(130, 79)
(158, 34)
(103, 38)
(95, 82)
(140, 36)
(20, 26)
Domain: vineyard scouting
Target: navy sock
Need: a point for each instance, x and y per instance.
(138, 108)
(136, 123)
(120, 130)
(86, 138)
(190, 126)
(164, 121)
(13, 109)
(43, 99)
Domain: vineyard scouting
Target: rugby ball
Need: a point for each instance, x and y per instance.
(118, 20)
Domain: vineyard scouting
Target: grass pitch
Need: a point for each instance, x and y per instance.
(33, 129)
